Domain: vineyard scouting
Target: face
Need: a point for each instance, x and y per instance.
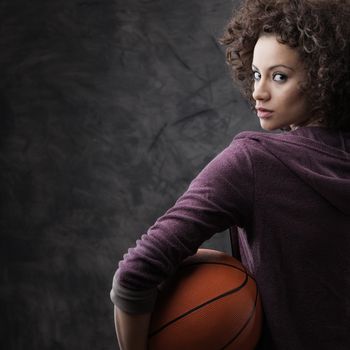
(278, 72)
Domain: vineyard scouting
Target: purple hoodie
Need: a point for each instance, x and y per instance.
(289, 194)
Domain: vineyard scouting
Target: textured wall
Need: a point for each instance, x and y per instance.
(108, 110)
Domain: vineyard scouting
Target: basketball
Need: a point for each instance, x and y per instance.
(210, 303)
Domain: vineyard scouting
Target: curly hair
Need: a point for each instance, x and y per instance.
(318, 29)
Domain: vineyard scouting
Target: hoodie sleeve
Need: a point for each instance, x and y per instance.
(220, 196)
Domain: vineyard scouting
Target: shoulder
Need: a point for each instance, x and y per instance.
(260, 136)
(252, 141)
(263, 146)
(257, 139)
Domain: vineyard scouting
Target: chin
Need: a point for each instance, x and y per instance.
(271, 125)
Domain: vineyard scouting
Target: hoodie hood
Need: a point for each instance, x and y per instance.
(318, 156)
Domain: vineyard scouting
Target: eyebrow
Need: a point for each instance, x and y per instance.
(275, 66)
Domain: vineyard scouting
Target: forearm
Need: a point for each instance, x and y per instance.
(132, 329)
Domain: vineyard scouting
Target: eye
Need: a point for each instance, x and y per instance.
(256, 75)
(280, 77)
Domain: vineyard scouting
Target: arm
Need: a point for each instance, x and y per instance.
(132, 329)
(219, 197)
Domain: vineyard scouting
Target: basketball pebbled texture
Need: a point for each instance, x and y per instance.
(210, 303)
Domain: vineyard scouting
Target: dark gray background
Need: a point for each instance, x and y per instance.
(108, 110)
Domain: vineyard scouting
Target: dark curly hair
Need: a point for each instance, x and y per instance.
(318, 29)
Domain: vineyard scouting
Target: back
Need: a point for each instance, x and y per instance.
(298, 243)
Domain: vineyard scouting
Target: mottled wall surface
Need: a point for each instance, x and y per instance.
(108, 110)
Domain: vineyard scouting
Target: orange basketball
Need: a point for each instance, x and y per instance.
(211, 303)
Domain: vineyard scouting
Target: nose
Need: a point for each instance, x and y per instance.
(261, 91)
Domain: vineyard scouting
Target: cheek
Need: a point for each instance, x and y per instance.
(293, 100)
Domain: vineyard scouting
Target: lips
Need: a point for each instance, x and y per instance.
(263, 112)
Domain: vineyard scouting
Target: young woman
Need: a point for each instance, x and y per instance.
(288, 192)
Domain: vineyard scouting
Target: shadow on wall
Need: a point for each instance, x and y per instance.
(108, 110)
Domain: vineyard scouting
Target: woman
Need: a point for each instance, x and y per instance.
(289, 192)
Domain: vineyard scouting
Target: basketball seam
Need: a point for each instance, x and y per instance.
(202, 305)
(245, 324)
(219, 263)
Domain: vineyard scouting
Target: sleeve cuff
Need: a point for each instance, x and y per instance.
(133, 301)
